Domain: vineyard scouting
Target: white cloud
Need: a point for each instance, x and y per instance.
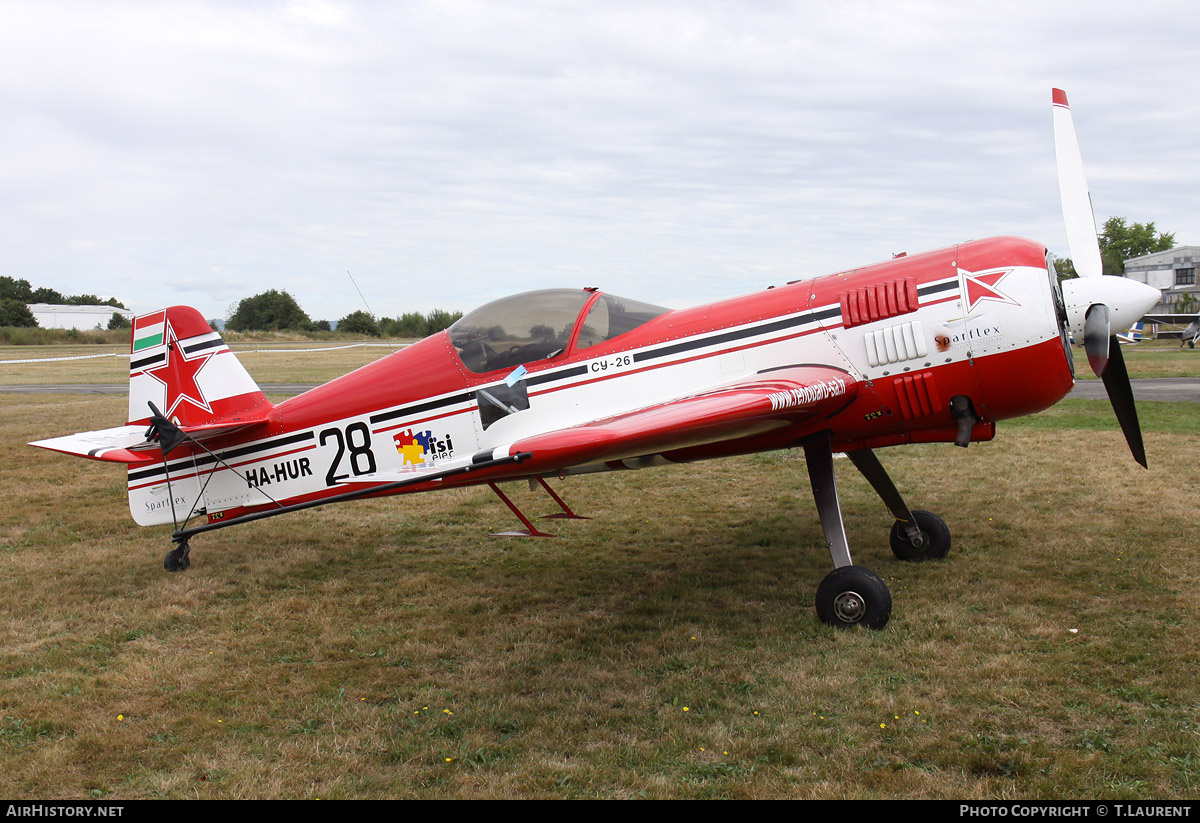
(449, 152)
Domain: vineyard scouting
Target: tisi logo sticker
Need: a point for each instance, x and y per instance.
(422, 448)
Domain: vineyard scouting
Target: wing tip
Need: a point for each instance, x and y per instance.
(1059, 98)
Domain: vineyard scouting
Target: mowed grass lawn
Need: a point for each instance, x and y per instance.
(667, 648)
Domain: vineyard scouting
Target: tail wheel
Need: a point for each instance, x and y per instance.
(854, 596)
(935, 538)
(177, 559)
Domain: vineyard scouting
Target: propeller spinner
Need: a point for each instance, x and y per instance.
(1097, 304)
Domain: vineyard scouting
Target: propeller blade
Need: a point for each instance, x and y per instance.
(1096, 333)
(1120, 394)
(1073, 190)
(1093, 302)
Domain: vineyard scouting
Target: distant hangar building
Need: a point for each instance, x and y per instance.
(84, 318)
(1172, 272)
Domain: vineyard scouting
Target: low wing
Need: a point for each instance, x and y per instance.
(775, 399)
(768, 401)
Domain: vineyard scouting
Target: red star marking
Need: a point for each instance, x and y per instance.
(178, 374)
(983, 286)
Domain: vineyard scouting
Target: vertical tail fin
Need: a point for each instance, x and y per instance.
(185, 369)
(1134, 335)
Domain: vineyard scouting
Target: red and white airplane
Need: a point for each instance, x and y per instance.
(933, 347)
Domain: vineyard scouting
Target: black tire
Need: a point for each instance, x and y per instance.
(935, 532)
(177, 559)
(854, 596)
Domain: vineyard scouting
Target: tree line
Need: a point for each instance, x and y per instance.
(1121, 241)
(275, 310)
(269, 311)
(17, 294)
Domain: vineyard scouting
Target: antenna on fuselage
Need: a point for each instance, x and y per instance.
(374, 319)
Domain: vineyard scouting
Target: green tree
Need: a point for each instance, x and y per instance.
(118, 321)
(438, 319)
(359, 322)
(16, 313)
(45, 295)
(1186, 303)
(269, 311)
(1121, 241)
(82, 300)
(410, 324)
(11, 289)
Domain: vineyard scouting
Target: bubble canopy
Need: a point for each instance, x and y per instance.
(540, 325)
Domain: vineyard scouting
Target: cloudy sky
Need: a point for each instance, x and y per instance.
(449, 152)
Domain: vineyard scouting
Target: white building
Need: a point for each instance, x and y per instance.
(1172, 272)
(84, 318)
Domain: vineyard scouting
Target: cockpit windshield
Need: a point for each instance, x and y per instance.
(519, 329)
(539, 325)
(612, 316)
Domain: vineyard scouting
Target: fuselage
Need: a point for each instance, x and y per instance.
(980, 320)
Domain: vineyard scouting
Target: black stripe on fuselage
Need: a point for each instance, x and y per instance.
(570, 372)
(467, 397)
(936, 288)
(231, 454)
(737, 334)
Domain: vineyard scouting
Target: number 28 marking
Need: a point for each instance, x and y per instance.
(356, 441)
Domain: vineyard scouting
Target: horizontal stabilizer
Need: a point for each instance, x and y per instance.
(113, 445)
(128, 444)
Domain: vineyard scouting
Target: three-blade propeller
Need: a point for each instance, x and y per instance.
(1097, 304)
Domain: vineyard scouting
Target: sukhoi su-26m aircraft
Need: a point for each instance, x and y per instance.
(933, 347)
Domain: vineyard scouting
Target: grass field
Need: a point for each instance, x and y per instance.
(1151, 358)
(667, 648)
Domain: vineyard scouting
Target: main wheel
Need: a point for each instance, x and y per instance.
(854, 596)
(936, 536)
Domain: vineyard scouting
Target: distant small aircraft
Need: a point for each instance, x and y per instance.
(1188, 334)
(933, 347)
(1134, 335)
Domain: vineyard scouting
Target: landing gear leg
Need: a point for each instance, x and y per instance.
(177, 558)
(530, 530)
(849, 595)
(916, 535)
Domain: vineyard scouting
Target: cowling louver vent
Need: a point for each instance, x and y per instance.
(917, 395)
(878, 302)
(895, 344)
